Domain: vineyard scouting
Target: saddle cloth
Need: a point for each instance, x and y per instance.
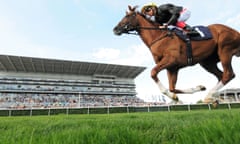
(204, 34)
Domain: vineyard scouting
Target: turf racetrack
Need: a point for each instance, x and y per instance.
(192, 127)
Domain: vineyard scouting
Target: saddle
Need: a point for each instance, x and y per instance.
(204, 34)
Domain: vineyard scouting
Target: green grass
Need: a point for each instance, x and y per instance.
(194, 127)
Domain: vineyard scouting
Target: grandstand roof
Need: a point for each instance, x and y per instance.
(10, 63)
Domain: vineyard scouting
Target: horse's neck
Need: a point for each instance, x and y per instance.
(148, 33)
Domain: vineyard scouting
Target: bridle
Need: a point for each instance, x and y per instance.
(132, 27)
(128, 28)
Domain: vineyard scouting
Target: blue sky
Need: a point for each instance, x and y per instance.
(82, 30)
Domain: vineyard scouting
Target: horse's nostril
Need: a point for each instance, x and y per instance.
(117, 31)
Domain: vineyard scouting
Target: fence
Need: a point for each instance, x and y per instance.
(112, 109)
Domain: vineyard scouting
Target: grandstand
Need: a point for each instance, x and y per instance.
(38, 82)
(229, 95)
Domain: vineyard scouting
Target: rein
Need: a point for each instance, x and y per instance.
(159, 38)
(151, 28)
(146, 28)
(155, 28)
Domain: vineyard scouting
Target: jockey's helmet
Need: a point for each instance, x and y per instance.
(147, 7)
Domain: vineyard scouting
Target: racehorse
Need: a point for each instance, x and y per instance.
(170, 52)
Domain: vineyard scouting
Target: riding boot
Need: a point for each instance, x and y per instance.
(191, 31)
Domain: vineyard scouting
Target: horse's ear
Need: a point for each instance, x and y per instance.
(130, 8)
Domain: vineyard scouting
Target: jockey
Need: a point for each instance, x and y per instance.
(169, 14)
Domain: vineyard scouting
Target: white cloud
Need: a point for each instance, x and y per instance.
(134, 55)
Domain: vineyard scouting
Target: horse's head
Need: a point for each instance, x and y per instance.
(128, 23)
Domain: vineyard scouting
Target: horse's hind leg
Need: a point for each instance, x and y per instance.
(223, 77)
(228, 73)
(210, 65)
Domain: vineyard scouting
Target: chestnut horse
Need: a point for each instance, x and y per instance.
(169, 52)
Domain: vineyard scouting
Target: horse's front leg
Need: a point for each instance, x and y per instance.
(163, 64)
(172, 77)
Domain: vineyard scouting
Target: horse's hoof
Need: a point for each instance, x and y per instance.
(201, 88)
(215, 103)
(175, 98)
(208, 100)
